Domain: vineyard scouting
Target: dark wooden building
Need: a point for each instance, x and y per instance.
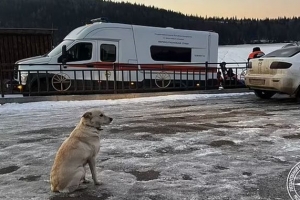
(16, 44)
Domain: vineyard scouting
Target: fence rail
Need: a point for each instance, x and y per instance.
(117, 78)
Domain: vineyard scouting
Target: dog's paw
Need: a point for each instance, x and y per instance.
(82, 187)
(97, 183)
(85, 181)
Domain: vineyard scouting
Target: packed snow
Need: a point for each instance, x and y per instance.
(204, 146)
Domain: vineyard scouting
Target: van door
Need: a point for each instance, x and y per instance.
(80, 57)
(81, 53)
(108, 54)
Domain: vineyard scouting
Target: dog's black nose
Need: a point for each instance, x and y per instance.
(110, 119)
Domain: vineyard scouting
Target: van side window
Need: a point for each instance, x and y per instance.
(108, 53)
(80, 51)
(173, 54)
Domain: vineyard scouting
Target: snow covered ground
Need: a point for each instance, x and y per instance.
(193, 147)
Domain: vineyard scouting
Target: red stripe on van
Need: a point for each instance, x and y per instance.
(121, 66)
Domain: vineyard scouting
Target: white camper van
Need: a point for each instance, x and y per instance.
(102, 46)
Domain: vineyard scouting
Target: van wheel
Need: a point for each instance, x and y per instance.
(162, 79)
(35, 89)
(61, 82)
(263, 94)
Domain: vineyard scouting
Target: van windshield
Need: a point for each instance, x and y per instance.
(57, 49)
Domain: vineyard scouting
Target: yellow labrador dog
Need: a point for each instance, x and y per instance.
(79, 149)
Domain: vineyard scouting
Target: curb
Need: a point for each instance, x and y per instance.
(21, 99)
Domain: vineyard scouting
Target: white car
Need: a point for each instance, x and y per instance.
(276, 72)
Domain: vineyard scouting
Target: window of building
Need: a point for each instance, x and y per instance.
(173, 54)
(108, 53)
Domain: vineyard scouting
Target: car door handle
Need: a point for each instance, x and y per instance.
(90, 66)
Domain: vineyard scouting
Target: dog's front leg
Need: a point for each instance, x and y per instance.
(92, 164)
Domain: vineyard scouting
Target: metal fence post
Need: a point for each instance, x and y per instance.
(115, 79)
(1, 82)
(224, 72)
(206, 68)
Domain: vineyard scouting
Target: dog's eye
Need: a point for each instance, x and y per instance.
(101, 115)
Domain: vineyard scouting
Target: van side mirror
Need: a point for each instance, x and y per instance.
(64, 57)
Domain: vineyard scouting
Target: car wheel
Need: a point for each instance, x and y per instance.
(263, 94)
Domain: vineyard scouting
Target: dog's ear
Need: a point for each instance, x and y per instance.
(87, 115)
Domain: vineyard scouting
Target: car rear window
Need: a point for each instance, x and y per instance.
(285, 52)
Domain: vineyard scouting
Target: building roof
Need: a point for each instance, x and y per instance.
(27, 31)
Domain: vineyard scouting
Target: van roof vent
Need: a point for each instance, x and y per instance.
(101, 19)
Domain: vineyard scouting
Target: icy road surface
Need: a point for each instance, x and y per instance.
(189, 147)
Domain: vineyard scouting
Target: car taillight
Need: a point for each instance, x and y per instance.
(280, 65)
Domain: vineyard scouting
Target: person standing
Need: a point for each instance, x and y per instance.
(256, 53)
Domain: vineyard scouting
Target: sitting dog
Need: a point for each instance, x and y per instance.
(79, 149)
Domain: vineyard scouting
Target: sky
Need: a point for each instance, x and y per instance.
(260, 9)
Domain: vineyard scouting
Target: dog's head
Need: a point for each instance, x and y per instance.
(95, 118)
